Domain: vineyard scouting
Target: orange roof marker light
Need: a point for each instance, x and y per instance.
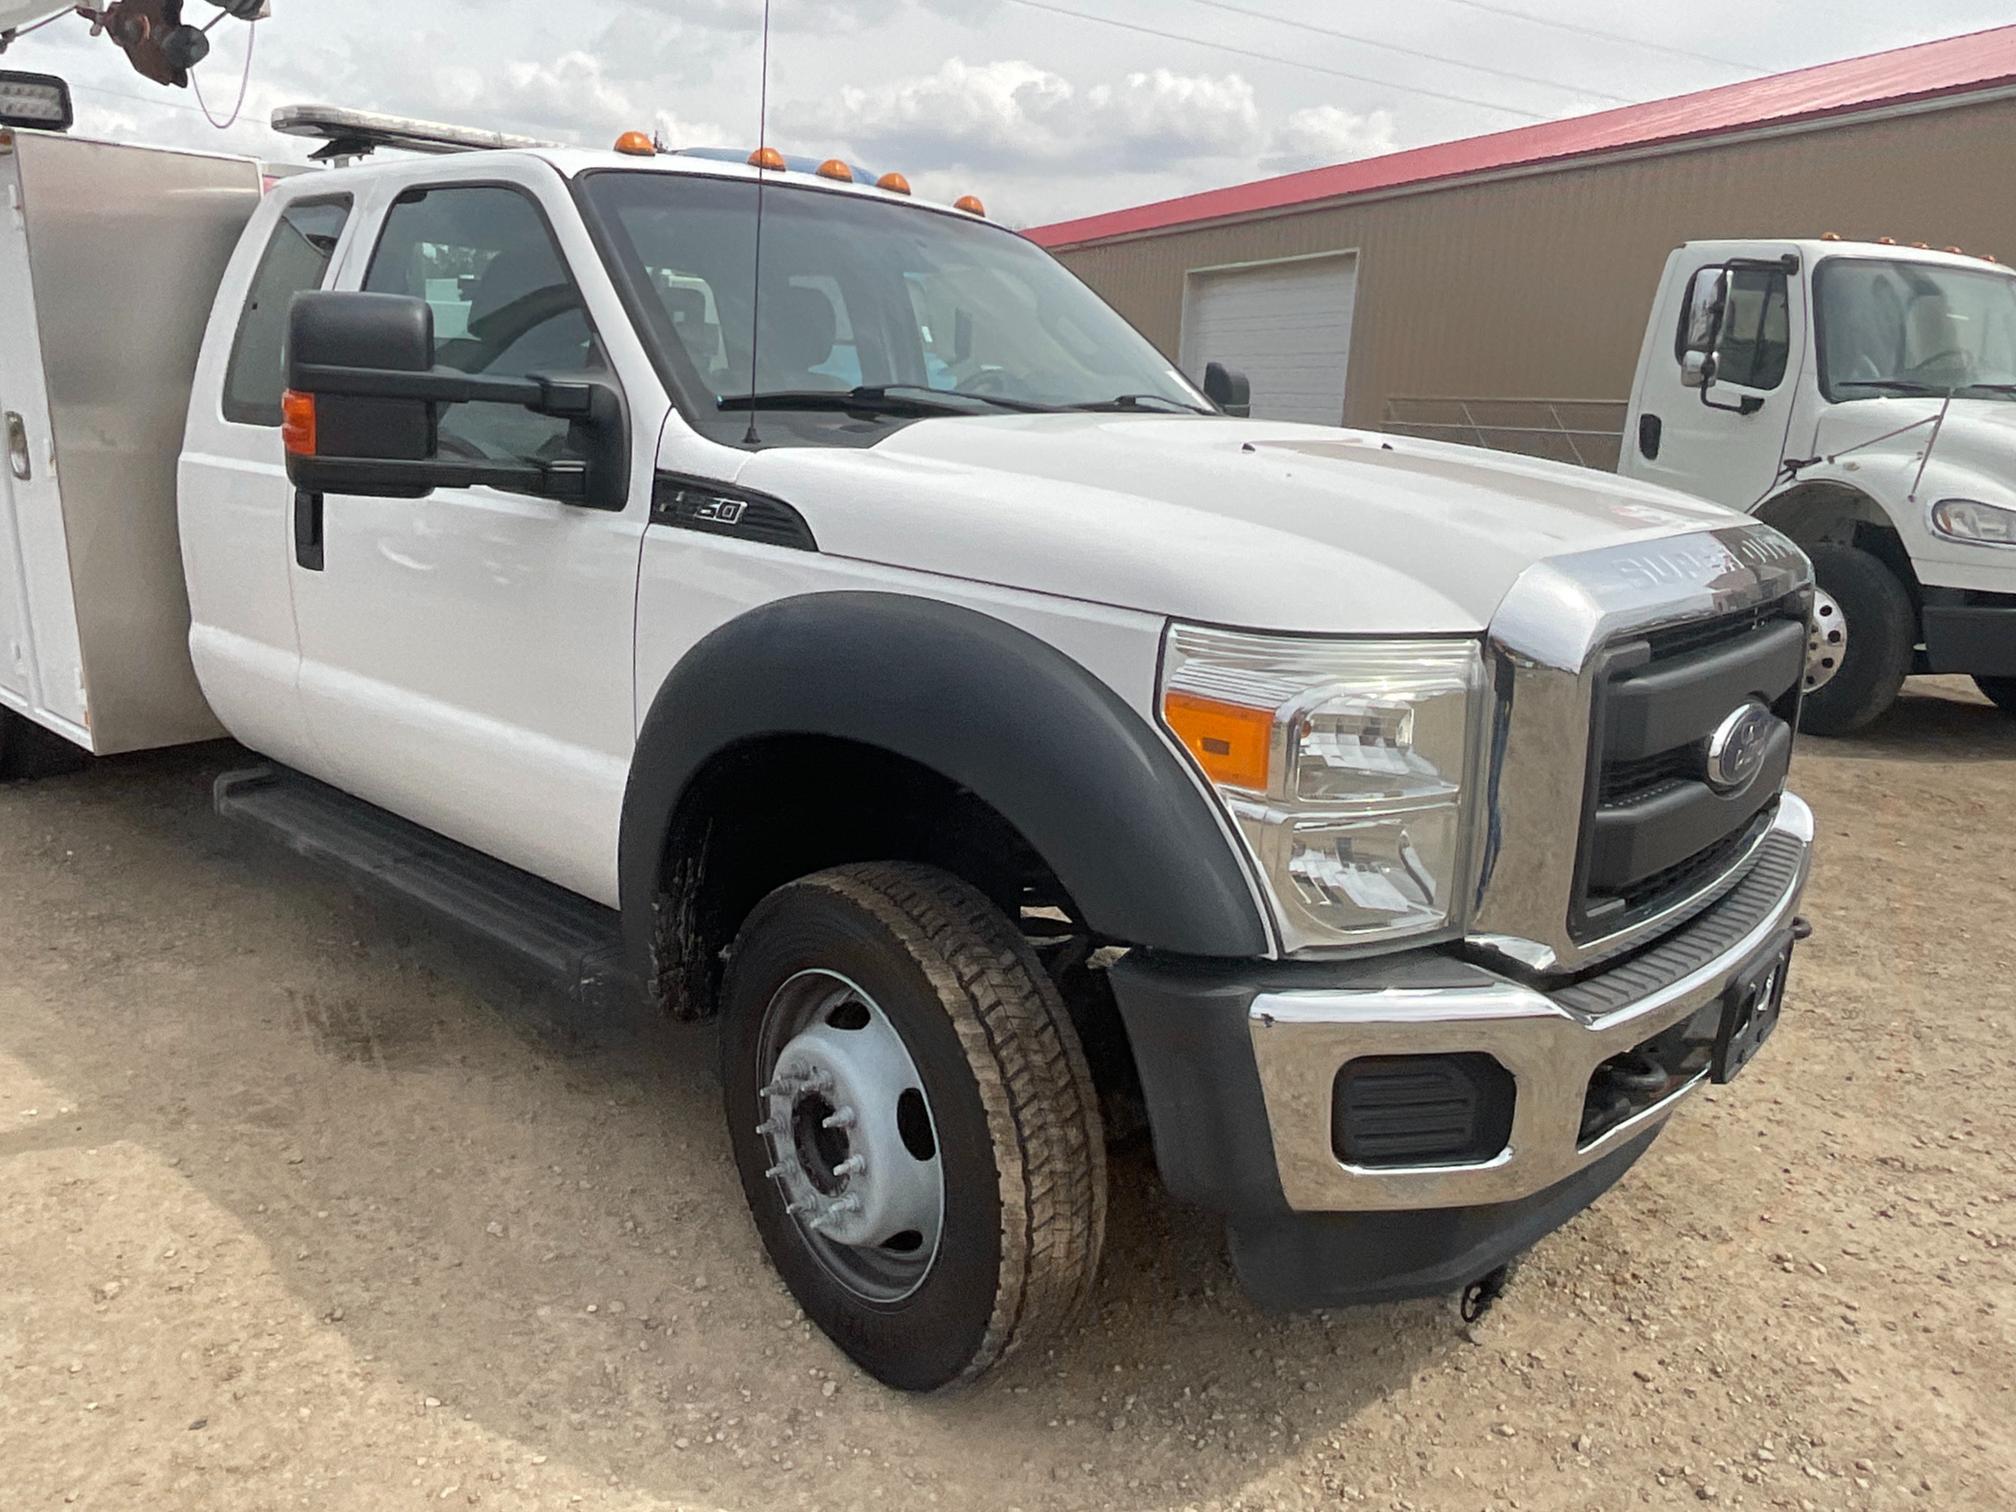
(636, 144)
(768, 158)
(1830, 236)
(1956, 251)
(970, 203)
(833, 168)
(1886, 241)
(895, 183)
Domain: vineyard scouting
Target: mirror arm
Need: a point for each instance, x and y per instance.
(544, 396)
(566, 482)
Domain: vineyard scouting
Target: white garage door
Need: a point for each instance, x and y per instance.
(1287, 325)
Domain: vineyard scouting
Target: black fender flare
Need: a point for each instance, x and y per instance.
(1085, 780)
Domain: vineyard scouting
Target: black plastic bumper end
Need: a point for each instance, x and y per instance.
(1301, 1261)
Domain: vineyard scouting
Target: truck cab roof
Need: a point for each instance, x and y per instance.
(1813, 248)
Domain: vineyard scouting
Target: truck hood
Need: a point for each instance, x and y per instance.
(1971, 458)
(1231, 522)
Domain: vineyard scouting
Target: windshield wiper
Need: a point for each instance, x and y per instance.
(1891, 385)
(1158, 404)
(882, 399)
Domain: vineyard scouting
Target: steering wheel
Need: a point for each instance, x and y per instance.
(985, 382)
(1957, 356)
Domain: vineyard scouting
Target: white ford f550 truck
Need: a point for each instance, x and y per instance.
(913, 671)
(1860, 396)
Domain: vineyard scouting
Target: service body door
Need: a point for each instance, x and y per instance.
(41, 662)
(1729, 449)
(466, 658)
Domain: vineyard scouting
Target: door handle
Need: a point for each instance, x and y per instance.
(17, 448)
(308, 529)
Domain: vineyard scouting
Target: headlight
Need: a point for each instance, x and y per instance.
(1977, 523)
(1345, 766)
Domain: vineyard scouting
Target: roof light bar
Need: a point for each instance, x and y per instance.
(40, 101)
(353, 133)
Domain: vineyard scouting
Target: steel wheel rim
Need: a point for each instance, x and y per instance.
(850, 1138)
(1826, 641)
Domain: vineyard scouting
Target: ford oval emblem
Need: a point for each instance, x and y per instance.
(1736, 749)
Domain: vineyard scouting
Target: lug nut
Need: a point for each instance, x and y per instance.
(840, 1118)
(853, 1165)
(776, 1172)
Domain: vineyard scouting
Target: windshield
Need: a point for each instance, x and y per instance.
(861, 294)
(1904, 327)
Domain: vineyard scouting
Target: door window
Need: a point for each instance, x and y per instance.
(296, 259)
(504, 306)
(1756, 332)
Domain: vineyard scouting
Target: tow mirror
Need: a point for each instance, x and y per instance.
(364, 398)
(1697, 370)
(1228, 389)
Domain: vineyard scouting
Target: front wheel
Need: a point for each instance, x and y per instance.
(2000, 691)
(1860, 644)
(916, 1128)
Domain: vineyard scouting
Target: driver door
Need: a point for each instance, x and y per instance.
(1727, 450)
(466, 657)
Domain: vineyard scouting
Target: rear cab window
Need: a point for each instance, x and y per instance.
(296, 259)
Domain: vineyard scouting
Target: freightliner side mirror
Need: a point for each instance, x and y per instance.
(364, 400)
(1228, 389)
(1707, 314)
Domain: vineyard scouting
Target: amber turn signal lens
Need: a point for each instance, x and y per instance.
(970, 203)
(636, 144)
(833, 168)
(297, 423)
(895, 183)
(768, 158)
(1230, 741)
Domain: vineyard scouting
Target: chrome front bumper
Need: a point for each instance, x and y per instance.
(1551, 1044)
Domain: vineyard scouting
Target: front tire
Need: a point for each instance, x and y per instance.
(1880, 629)
(916, 1129)
(2000, 691)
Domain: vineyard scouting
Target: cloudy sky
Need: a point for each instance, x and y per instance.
(1045, 113)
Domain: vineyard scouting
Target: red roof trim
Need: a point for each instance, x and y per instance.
(1953, 65)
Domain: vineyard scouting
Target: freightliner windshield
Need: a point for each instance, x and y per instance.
(1900, 327)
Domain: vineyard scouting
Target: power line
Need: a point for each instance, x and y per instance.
(1247, 52)
(1607, 36)
(1411, 52)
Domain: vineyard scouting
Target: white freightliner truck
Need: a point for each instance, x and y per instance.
(1860, 396)
(919, 675)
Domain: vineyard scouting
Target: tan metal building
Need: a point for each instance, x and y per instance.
(1496, 289)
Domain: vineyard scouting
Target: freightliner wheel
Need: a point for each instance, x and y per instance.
(917, 1132)
(1860, 646)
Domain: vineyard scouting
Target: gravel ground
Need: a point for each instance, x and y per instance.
(302, 1206)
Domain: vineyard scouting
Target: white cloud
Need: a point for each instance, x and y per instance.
(1012, 113)
(1327, 134)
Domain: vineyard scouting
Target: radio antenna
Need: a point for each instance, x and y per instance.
(750, 438)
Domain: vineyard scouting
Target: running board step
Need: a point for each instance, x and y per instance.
(560, 934)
